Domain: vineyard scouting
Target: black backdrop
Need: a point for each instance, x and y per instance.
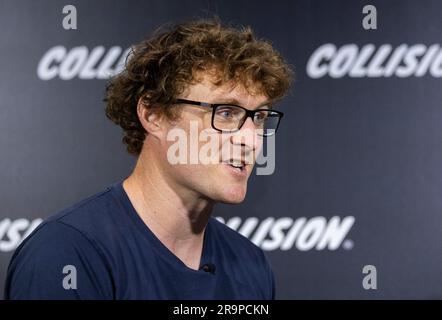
(357, 179)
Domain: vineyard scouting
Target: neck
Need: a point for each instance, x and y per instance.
(176, 216)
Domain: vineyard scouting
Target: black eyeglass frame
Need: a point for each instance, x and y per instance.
(249, 113)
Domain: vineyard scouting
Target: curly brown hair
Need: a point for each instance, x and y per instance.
(159, 68)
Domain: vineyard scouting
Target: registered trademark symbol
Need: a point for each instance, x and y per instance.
(348, 244)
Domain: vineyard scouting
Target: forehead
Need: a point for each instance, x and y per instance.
(205, 90)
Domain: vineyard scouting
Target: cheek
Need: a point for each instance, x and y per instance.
(226, 151)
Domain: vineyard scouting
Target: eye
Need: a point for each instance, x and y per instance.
(261, 115)
(227, 112)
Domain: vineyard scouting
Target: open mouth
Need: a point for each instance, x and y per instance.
(237, 165)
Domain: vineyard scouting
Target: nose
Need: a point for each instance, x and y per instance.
(247, 136)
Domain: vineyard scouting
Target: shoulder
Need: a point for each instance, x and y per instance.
(71, 237)
(37, 267)
(83, 223)
(51, 240)
(97, 218)
(90, 209)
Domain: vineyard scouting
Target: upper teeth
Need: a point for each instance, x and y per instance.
(236, 164)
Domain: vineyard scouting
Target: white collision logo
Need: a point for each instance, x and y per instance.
(371, 61)
(302, 233)
(12, 232)
(81, 62)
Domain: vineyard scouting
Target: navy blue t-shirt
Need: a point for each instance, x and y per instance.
(116, 256)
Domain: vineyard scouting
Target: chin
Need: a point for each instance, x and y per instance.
(234, 194)
(235, 201)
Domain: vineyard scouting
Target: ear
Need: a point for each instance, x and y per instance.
(150, 121)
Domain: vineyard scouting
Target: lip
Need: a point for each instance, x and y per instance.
(235, 172)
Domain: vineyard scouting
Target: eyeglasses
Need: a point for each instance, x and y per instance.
(230, 117)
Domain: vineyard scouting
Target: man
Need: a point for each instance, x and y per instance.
(151, 235)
